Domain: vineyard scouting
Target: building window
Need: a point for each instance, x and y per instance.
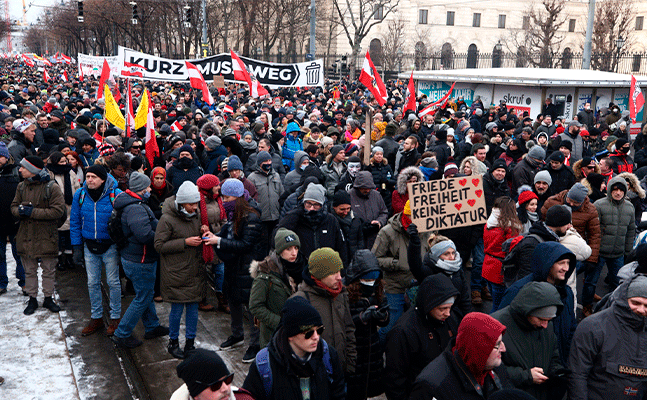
(501, 21)
(476, 20)
(450, 18)
(526, 23)
(639, 23)
(379, 12)
(571, 25)
(635, 67)
(422, 16)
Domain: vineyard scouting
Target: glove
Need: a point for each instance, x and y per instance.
(412, 230)
(368, 314)
(77, 255)
(381, 314)
(369, 229)
(25, 211)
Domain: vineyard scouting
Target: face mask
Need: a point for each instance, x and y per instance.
(314, 217)
(304, 166)
(353, 168)
(587, 108)
(145, 196)
(266, 167)
(367, 290)
(186, 213)
(624, 150)
(184, 162)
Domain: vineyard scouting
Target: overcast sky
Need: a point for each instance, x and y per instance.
(36, 9)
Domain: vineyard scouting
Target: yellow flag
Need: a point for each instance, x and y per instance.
(142, 111)
(113, 114)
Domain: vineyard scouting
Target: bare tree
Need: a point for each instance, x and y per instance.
(539, 35)
(612, 21)
(393, 42)
(357, 18)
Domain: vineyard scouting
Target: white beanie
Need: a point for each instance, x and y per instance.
(187, 193)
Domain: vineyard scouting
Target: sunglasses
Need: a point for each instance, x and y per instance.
(590, 167)
(218, 384)
(311, 332)
(135, 147)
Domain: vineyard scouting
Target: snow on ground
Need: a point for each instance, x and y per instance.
(34, 358)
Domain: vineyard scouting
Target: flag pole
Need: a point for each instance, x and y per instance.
(367, 136)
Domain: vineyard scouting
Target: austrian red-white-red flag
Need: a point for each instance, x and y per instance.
(636, 100)
(46, 77)
(198, 82)
(431, 108)
(228, 109)
(64, 76)
(66, 59)
(28, 60)
(411, 96)
(242, 74)
(131, 69)
(371, 79)
(72, 125)
(176, 127)
(152, 149)
(105, 75)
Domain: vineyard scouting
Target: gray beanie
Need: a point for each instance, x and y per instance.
(439, 248)
(543, 176)
(316, 193)
(547, 312)
(187, 193)
(262, 157)
(537, 153)
(138, 182)
(213, 142)
(578, 193)
(377, 149)
(638, 287)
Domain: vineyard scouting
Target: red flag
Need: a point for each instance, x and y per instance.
(105, 75)
(636, 100)
(72, 125)
(176, 127)
(198, 82)
(64, 76)
(80, 74)
(228, 109)
(411, 96)
(152, 150)
(438, 104)
(66, 59)
(371, 79)
(131, 69)
(242, 74)
(45, 76)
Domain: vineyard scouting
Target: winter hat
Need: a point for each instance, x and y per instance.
(316, 193)
(407, 208)
(234, 163)
(299, 316)
(262, 157)
(558, 215)
(429, 162)
(335, 150)
(621, 142)
(547, 312)
(292, 127)
(58, 114)
(595, 180)
(232, 187)
(439, 248)
(578, 193)
(21, 125)
(450, 168)
(567, 143)
(138, 182)
(98, 170)
(187, 193)
(285, 238)
(4, 152)
(187, 148)
(637, 287)
(32, 164)
(377, 149)
(106, 149)
(340, 197)
(213, 142)
(325, 141)
(350, 148)
(207, 182)
(476, 337)
(557, 156)
(499, 163)
(543, 176)
(201, 369)
(324, 262)
(526, 194)
(537, 153)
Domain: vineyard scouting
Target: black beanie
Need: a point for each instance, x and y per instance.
(641, 257)
(558, 215)
(98, 170)
(201, 369)
(620, 143)
(595, 180)
(499, 163)
(340, 197)
(298, 316)
(557, 156)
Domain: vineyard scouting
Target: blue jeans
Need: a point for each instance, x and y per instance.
(191, 320)
(93, 264)
(478, 254)
(142, 307)
(218, 276)
(591, 278)
(497, 291)
(396, 308)
(20, 271)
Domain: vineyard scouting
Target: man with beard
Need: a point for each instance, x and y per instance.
(541, 187)
(573, 136)
(409, 155)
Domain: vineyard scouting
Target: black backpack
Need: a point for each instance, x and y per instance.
(116, 229)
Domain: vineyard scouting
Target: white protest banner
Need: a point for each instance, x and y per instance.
(91, 65)
(447, 203)
(272, 75)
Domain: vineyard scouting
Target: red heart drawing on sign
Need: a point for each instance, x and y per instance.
(458, 206)
(471, 202)
(462, 182)
(475, 182)
(478, 192)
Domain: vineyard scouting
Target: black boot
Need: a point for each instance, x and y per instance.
(50, 305)
(32, 305)
(189, 346)
(61, 263)
(69, 262)
(174, 349)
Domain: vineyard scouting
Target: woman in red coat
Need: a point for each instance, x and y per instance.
(502, 224)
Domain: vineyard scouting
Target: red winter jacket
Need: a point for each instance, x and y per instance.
(493, 238)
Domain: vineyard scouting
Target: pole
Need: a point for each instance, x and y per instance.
(204, 28)
(313, 21)
(367, 136)
(586, 56)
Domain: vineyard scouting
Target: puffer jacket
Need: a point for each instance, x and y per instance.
(182, 272)
(384, 180)
(563, 178)
(19, 147)
(336, 317)
(617, 223)
(38, 235)
(176, 175)
(9, 180)
(293, 177)
(139, 224)
(89, 220)
(622, 162)
(291, 146)
(523, 174)
(277, 164)
(400, 195)
(390, 248)
(331, 175)
(493, 238)
(585, 221)
(635, 194)
(269, 189)
(605, 345)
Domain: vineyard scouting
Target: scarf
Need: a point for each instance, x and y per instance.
(64, 171)
(330, 291)
(406, 221)
(229, 207)
(207, 250)
(158, 191)
(532, 216)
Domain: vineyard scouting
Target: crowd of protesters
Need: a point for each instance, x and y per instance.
(276, 207)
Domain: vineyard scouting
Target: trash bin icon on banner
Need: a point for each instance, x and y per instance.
(312, 74)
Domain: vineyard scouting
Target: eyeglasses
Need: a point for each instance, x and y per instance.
(135, 147)
(590, 167)
(311, 205)
(218, 384)
(311, 332)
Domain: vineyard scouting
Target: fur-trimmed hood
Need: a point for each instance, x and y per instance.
(404, 176)
(209, 129)
(633, 183)
(577, 170)
(478, 168)
(269, 264)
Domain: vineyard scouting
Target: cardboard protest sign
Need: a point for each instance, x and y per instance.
(447, 203)
(219, 81)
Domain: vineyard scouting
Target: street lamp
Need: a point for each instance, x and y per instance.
(399, 59)
(620, 42)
